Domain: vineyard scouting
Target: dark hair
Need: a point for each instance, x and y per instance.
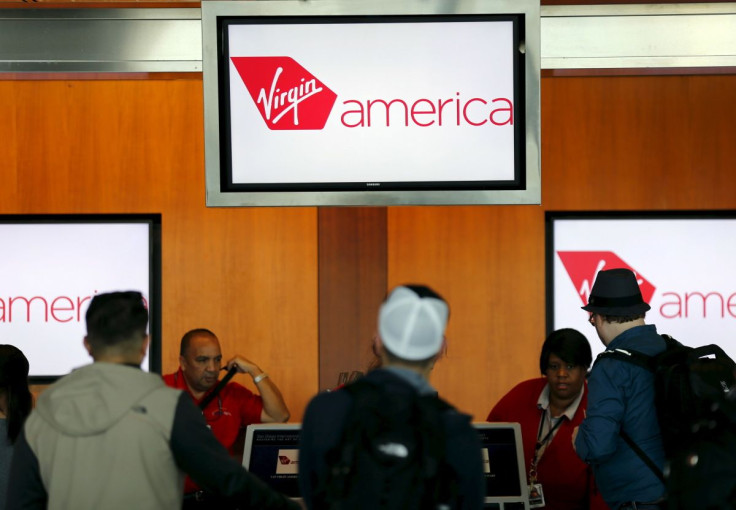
(620, 319)
(14, 383)
(187, 338)
(570, 345)
(419, 363)
(116, 318)
(423, 291)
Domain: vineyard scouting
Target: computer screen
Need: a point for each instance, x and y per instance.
(271, 453)
(503, 466)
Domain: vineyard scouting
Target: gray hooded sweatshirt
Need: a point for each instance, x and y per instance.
(101, 436)
(110, 436)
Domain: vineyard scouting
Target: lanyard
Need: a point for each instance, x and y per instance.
(541, 443)
(215, 393)
(205, 401)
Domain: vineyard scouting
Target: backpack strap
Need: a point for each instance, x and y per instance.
(629, 356)
(644, 361)
(431, 409)
(209, 398)
(636, 357)
(330, 490)
(670, 342)
(642, 455)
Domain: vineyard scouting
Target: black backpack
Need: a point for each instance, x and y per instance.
(391, 453)
(701, 475)
(692, 386)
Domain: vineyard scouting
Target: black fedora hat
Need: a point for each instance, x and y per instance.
(615, 292)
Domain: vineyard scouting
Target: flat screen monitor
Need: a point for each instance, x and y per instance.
(684, 262)
(388, 102)
(271, 453)
(503, 466)
(51, 266)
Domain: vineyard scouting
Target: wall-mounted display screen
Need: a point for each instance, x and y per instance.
(683, 261)
(51, 266)
(363, 103)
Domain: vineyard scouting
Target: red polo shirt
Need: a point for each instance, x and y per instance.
(234, 408)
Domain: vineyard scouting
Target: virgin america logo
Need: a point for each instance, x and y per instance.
(583, 267)
(288, 96)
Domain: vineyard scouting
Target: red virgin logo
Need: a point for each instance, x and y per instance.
(583, 267)
(288, 96)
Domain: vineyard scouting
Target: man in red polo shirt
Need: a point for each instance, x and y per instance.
(234, 407)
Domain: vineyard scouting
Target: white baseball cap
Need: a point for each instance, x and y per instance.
(412, 323)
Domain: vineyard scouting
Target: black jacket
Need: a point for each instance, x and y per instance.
(324, 422)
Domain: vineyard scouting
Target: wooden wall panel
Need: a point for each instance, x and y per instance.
(488, 264)
(636, 143)
(137, 146)
(352, 282)
(644, 142)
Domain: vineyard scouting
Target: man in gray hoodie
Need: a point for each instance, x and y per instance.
(110, 435)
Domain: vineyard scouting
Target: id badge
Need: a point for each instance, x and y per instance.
(536, 496)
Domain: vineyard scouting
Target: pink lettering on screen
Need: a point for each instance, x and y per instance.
(46, 309)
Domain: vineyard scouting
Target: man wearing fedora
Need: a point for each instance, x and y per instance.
(621, 397)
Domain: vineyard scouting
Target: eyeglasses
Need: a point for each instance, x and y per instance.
(590, 319)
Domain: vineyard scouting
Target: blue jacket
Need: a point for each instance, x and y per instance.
(621, 396)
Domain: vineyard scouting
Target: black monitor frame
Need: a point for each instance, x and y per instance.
(153, 292)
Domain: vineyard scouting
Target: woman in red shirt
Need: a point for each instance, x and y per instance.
(548, 410)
